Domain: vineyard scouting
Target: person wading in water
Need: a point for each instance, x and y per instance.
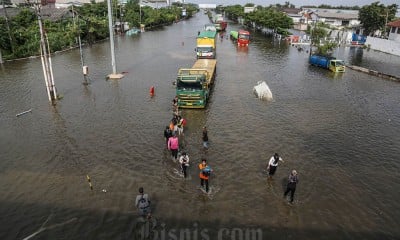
(273, 164)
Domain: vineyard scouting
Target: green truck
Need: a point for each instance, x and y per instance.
(193, 85)
(206, 45)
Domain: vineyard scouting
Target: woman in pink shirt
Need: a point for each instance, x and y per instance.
(173, 146)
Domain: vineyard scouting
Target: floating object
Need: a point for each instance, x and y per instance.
(104, 191)
(85, 70)
(133, 31)
(152, 91)
(90, 183)
(22, 113)
(262, 91)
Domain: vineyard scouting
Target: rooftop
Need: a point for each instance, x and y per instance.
(394, 23)
(335, 13)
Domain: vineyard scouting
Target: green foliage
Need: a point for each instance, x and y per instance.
(317, 34)
(373, 17)
(268, 17)
(91, 23)
(235, 11)
(326, 49)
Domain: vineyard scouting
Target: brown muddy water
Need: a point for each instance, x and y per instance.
(340, 132)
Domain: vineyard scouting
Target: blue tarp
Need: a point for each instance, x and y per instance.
(358, 38)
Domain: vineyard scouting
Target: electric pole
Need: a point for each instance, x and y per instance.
(114, 74)
(46, 58)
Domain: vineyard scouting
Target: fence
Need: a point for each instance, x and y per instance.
(383, 45)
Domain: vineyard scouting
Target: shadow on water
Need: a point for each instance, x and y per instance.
(89, 223)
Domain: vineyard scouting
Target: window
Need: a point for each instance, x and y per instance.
(393, 30)
(398, 30)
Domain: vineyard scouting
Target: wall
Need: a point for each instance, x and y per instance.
(384, 45)
(395, 36)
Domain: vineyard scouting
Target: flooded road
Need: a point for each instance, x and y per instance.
(338, 131)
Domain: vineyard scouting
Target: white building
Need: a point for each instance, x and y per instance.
(394, 33)
(336, 17)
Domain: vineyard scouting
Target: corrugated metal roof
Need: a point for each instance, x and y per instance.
(53, 14)
(291, 10)
(11, 12)
(335, 13)
(394, 23)
(339, 15)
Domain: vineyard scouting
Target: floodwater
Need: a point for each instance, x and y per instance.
(339, 131)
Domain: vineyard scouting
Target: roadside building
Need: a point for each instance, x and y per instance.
(300, 19)
(390, 45)
(394, 33)
(335, 17)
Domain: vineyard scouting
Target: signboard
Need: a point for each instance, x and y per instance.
(207, 6)
(249, 9)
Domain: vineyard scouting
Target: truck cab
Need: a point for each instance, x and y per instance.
(205, 52)
(192, 89)
(206, 45)
(243, 38)
(336, 65)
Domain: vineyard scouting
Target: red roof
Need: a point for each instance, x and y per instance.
(394, 23)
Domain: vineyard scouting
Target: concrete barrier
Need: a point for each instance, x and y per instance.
(383, 45)
(375, 73)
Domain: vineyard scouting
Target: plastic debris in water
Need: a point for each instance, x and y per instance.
(262, 91)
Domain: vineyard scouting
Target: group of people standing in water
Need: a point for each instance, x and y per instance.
(171, 133)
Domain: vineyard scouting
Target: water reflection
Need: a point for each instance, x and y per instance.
(355, 55)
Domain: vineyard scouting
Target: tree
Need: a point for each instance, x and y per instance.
(235, 11)
(375, 16)
(317, 34)
(326, 49)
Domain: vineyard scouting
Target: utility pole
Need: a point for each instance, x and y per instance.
(84, 68)
(10, 38)
(114, 74)
(387, 15)
(46, 58)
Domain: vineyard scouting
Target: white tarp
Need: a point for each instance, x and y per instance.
(262, 91)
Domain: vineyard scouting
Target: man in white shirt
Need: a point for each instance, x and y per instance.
(184, 161)
(273, 164)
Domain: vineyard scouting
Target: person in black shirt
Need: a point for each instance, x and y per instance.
(205, 137)
(291, 186)
(167, 134)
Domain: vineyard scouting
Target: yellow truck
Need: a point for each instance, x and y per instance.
(206, 45)
(193, 85)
